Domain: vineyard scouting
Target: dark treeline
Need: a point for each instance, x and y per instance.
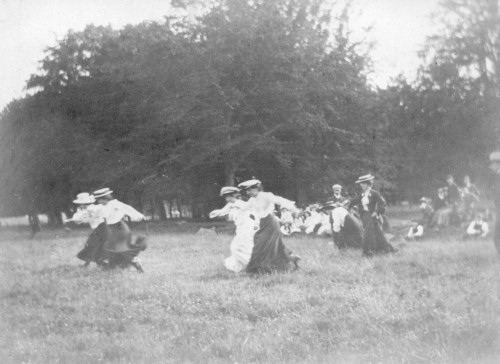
(274, 89)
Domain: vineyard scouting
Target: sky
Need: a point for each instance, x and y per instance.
(27, 27)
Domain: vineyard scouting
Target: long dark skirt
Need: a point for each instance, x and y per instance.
(350, 235)
(92, 251)
(269, 254)
(118, 248)
(374, 241)
(112, 244)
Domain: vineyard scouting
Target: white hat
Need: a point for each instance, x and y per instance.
(102, 192)
(337, 187)
(365, 178)
(248, 184)
(84, 198)
(228, 190)
(495, 156)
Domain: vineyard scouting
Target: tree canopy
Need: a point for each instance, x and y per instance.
(274, 89)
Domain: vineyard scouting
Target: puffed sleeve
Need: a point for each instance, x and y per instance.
(222, 212)
(129, 211)
(283, 202)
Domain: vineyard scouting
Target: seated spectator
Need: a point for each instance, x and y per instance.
(416, 231)
(470, 196)
(325, 227)
(347, 230)
(337, 199)
(286, 221)
(453, 198)
(478, 228)
(313, 222)
(427, 210)
(441, 217)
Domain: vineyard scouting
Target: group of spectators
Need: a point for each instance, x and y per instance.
(452, 205)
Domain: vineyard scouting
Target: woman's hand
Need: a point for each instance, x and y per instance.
(213, 214)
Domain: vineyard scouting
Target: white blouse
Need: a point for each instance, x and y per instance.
(264, 204)
(338, 217)
(236, 211)
(114, 211)
(91, 215)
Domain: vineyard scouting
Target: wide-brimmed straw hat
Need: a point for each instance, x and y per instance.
(495, 156)
(84, 198)
(228, 190)
(336, 187)
(249, 184)
(102, 192)
(365, 178)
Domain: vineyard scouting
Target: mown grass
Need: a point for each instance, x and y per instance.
(432, 302)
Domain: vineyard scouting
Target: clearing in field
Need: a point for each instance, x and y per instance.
(435, 301)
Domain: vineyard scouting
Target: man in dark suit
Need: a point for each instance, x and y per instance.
(495, 167)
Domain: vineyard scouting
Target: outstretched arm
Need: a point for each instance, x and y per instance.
(131, 212)
(283, 202)
(221, 212)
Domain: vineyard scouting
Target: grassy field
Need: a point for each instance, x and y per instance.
(433, 302)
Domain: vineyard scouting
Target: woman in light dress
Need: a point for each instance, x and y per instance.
(242, 244)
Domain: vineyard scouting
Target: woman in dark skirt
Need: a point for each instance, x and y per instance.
(88, 213)
(118, 249)
(371, 206)
(347, 229)
(269, 254)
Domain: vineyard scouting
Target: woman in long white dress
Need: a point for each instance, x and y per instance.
(242, 244)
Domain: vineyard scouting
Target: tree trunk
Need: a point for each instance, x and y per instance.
(179, 208)
(162, 213)
(229, 173)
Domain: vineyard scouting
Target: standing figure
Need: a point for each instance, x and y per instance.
(34, 222)
(269, 253)
(371, 206)
(88, 213)
(118, 248)
(495, 167)
(242, 244)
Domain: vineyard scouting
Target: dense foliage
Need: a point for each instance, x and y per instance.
(274, 89)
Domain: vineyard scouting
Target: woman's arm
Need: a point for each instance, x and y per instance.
(221, 212)
(380, 203)
(470, 229)
(283, 202)
(486, 230)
